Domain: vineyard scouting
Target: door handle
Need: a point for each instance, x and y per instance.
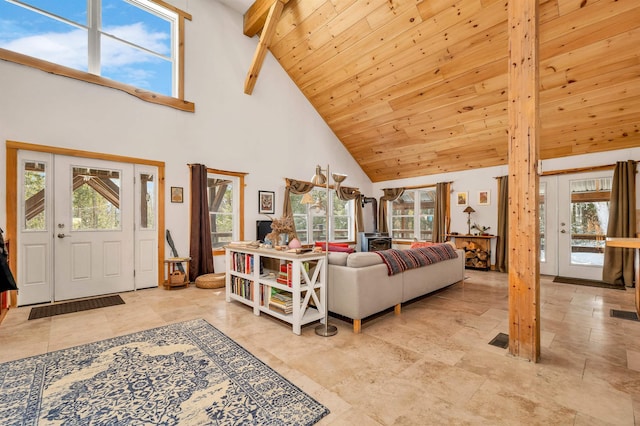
(562, 231)
(63, 235)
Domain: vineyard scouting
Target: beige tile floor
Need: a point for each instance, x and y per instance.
(430, 365)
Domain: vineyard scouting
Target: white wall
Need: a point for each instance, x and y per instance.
(274, 133)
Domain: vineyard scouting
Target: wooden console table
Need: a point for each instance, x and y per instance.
(633, 243)
(477, 249)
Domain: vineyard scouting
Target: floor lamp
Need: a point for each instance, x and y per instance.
(320, 179)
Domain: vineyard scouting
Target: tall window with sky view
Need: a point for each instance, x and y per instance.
(129, 41)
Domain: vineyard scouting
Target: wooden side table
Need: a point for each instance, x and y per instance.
(172, 266)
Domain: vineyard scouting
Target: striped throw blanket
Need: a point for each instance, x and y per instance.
(398, 261)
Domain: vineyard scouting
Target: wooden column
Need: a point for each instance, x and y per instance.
(524, 153)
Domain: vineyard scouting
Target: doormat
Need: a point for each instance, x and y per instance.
(75, 306)
(590, 283)
(501, 341)
(628, 315)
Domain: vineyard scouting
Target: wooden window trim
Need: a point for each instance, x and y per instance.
(145, 95)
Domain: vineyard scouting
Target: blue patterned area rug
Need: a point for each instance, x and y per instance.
(188, 373)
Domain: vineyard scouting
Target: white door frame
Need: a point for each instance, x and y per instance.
(550, 264)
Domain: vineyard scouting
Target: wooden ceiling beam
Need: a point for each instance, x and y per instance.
(265, 39)
(256, 16)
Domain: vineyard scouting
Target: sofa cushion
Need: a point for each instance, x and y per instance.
(362, 259)
(338, 258)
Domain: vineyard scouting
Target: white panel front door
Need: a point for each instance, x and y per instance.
(93, 228)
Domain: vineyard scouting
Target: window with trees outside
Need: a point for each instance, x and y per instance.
(589, 220)
(411, 215)
(224, 195)
(310, 219)
(134, 42)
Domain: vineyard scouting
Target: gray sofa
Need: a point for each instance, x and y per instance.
(360, 286)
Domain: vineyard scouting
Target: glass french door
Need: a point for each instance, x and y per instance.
(574, 218)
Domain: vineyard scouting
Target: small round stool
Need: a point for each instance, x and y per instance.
(211, 280)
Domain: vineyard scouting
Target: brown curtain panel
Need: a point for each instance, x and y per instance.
(502, 243)
(346, 193)
(441, 219)
(294, 187)
(618, 262)
(390, 194)
(200, 240)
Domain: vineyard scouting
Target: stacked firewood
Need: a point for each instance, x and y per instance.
(476, 256)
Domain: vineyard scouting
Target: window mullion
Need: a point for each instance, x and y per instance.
(95, 23)
(417, 215)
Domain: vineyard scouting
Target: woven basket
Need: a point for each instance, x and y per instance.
(176, 277)
(211, 280)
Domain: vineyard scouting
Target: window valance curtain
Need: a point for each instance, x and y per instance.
(200, 239)
(502, 244)
(390, 194)
(298, 187)
(441, 218)
(618, 262)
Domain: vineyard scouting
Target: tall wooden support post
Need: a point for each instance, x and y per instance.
(524, 153)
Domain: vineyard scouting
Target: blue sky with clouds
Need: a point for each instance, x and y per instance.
(33, 34)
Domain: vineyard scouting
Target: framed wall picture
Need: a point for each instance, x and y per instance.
(462, 198)
(266, 202)
(176, 194)
(484, 198)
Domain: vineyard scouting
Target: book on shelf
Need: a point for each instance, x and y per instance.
(242, 287)
(277, 300)
(300, 250)
(284, 275)
(242, 262)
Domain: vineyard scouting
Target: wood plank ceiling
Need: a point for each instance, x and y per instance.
(418, 87)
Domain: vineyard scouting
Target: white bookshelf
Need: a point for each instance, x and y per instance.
(307, 289)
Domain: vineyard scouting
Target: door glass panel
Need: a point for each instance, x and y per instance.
(589, 220)
(147, 204)
(34, 197)
(543, 220)
(96, 199)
